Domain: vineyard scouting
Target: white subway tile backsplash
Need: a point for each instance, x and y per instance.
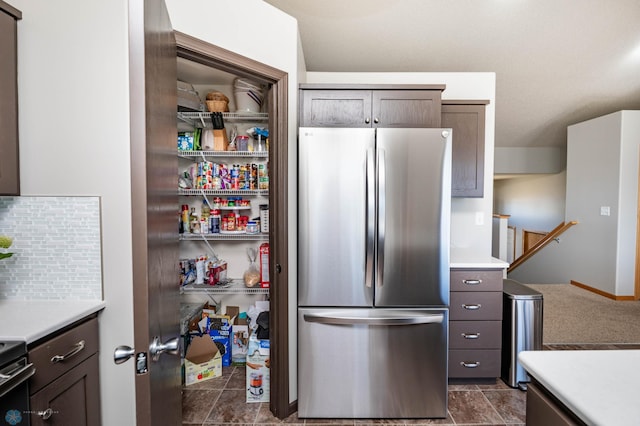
(56, 246)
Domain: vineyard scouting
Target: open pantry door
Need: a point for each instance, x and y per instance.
(154, 202)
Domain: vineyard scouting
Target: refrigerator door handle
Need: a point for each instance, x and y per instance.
(382, 204)
(370, 216)
(346, 318)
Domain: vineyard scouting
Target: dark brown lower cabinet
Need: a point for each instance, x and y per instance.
(73, 399)
(475, 324)
(544, 409)
(65, 389)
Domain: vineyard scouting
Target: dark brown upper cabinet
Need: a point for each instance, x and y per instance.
(467, 120)
(9, 159)
(370, 105)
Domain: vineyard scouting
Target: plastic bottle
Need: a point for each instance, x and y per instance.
(184, 219)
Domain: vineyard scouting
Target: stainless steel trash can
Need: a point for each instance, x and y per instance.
(521, 329)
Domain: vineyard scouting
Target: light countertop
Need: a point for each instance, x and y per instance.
(465, 258)
(599, 386)
(30, 320)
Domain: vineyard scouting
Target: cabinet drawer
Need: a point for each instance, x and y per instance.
(476, 280)
(475, 334)
(68, 345)
(472, 306)
(474, 363)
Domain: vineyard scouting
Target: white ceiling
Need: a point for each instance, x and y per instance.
(557, 62)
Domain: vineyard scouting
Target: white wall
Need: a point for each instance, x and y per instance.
(535, 203)
(74, 140)
(466, 233)
(526, 160)
(602, 171)
(263, 33)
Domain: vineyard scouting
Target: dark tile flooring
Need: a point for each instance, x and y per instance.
(221, 401)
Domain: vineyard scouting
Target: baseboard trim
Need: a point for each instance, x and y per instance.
(602, 293)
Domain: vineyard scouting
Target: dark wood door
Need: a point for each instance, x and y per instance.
(9, 161)
(335, 108)
(73, 399)
(154, 203)
(467, 123)
(406, 108)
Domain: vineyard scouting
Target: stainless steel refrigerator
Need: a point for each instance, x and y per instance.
(373, 285)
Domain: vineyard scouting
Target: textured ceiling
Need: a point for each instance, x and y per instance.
(557, 62)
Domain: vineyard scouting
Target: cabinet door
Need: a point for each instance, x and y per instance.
(9, 164)
(406, 108)
(467, 122)
(335, 108)
(71, 400)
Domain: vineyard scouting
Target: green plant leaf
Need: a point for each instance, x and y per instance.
(5, 255)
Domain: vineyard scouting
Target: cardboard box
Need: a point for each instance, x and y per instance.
(202, 360)
(258, 370)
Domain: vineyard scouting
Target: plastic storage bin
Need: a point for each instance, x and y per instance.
(521, 329)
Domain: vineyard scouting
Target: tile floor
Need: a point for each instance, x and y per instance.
(221, 401)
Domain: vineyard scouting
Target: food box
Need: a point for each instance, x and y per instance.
(202, 360)
(239, 344)
(219, 331)
(258, 370)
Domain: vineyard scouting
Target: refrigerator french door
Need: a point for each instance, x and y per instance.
(373, 286)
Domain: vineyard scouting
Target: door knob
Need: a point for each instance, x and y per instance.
(157, 348)
(122, 353)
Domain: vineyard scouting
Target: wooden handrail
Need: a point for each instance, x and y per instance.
(552, 235)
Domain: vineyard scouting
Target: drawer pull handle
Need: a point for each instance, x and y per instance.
(76, 349)
(471, 336)
(474, 307)
(46, 414)
(470, 364)
(472, 282)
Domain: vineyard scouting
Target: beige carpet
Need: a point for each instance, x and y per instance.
(574, 315)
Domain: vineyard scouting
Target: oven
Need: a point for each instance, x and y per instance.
(14, 387)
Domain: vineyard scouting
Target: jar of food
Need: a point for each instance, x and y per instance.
(252, 227)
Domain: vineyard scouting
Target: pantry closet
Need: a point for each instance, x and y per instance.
(209, 69)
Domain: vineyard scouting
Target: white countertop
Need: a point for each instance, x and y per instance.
(465, 258)
(600, 387)
(31, 320)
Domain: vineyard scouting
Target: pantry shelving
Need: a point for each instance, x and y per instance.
(235, 287)
(203, 119)
(225, 237)
(229, 245)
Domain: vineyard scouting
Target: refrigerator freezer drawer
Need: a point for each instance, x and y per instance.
(472, 306)
(474, 363)
(372, 363)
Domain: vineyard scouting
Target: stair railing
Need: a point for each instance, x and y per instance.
(551, 236)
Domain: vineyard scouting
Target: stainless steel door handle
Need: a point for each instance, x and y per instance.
(380, 319)
(157, 348)
(123, 353)
(46, 414)
(471, 336)
(370, 199)
(77, 348)
(382, 205)
(473, 307)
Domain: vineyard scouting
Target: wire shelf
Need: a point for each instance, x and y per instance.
(224, 237)
(203, 119)
(235, 287)
(225, 154)
(223, 191)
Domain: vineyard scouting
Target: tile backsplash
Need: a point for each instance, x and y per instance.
(56, 246)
